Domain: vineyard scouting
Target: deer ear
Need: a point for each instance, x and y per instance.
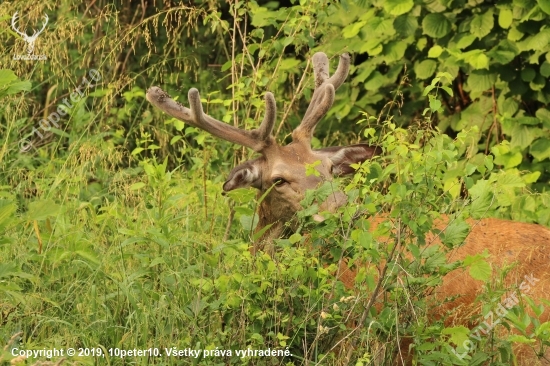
(245, 175)
(343, 156)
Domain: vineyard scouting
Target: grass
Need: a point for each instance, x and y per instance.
(114, 234)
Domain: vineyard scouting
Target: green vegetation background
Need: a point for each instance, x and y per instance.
(113, 229)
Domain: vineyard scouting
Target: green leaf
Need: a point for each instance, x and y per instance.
(10, 83)
(8, 270)
(7, 209)
(504, 52)
(457, 334)
(226, 66)
(522, 136)
(259, 233)
(508, 106)
(539, 41)
(479, 268)
(353, 29)
(540, 149)
(542, 329)
(178, 124)
(421, 43)
(543, 115)
(531, 178)
(175, 139)
(465, 40)
(425, 69)
(405, 25)
(436, 25)
(435, 104)
(478, 61)
(520, 339)
(545, 68)
(448, 90)
(89, 256)
(6, 77)
(248, 222)
(18, 86)
(375, 81)
(289, 63)
(505, 18)
(295, 238)
(538, 83)
(528, 74)
(480, 80)
(509, 160)
(482, 24)
(372, 46)
(137, 150)
(40, 210)
(514, 34)
(263, 17)
(482, 187)
(480, 206)
(455, 233)
(526, 120)
(398, 7)
(394, 51)
(380, 27)
(544, 5)
(488, 162)
(136, 186)
(435, 51)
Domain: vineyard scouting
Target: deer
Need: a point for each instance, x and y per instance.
(29, 39)
(279, 175)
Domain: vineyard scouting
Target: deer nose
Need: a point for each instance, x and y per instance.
(318, 218)
(331, 204)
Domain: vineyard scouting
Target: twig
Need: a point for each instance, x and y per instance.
(229, 221)
(375, 292)
(494, 124)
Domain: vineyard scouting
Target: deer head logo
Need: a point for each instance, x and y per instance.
(29, 39)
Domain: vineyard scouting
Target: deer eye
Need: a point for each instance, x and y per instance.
(278, 181)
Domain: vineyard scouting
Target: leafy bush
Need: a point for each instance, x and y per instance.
(114, 226)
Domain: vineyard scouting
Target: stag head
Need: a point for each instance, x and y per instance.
(29, 39)
(280, 169)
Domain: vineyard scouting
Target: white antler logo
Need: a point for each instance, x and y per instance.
(29, 39)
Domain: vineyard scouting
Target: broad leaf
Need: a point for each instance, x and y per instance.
(405, 25)
(425, 69)
(436, 25)
(482, 24)
(398, 7)
(40, 210)
(455, 233)
(480, 270)
(540, 149)
(505, 18)
(544, 5)
(481, 80)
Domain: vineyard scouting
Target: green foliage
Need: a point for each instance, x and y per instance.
(497, 56)
(114, 227)
(10, 83)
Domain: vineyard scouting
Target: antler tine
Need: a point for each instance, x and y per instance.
(14, 27)
(341, 72)
(43, 25)
(323, 96)
(320, 68)
(266, 127)
(257, 139)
